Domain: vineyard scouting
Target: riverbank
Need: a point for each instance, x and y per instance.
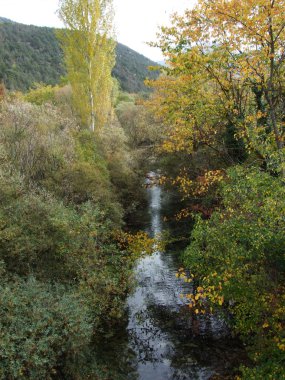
(162, 338)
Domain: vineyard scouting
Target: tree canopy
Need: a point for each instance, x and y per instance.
(88, 45)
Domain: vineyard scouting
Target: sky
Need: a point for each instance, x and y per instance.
(136, 21)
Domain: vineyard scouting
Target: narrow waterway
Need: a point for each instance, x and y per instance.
(162, 339)
(166, 340)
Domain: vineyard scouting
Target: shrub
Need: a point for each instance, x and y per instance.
(42, 328)
(238, 256)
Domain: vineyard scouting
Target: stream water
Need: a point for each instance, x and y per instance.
(163, 340)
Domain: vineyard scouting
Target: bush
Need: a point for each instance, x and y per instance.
(42, 328)
(64, 276)
(41, 94)
(37, 139)
(238, 256)
(45, 327)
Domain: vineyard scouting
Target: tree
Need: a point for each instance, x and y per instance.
(237, 50)
(225, 80)
(88, 46)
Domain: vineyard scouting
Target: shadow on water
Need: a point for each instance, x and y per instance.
(162, 339)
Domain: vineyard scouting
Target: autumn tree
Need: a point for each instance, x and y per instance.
(225, 78)
(88, 45)
(231, 51)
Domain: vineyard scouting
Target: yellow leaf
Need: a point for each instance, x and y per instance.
(221, 300)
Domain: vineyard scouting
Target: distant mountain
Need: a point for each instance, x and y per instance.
(131, 69)
(30, 54)
(3, 19)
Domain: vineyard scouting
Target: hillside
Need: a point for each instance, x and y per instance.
(30, 54)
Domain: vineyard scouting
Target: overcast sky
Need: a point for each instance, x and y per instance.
(136, 21)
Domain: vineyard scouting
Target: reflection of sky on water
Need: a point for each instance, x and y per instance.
(154, 208)
(163, 340)
(157, 288)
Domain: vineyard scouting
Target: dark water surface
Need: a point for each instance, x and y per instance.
(162, 339)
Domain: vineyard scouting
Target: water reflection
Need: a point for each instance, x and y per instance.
(158, 290)
(163, 341)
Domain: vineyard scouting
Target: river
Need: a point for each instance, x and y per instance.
(162, 339)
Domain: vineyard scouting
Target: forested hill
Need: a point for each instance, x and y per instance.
(31, 54)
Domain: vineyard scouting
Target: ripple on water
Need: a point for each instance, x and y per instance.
(166, 342)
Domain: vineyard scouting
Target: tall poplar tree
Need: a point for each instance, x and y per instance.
(89, 50)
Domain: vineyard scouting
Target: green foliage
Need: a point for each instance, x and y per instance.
(64, 276)
(122, 164)
(238, 255)
(88, 46)
(40, 325)
(45, 327)
(138, 124)
(41, 94)
(48, 149)
(124, 97)
(64, 272)
(136, 130)
(31, 54)
(272, 369)
(131, 70)
(37, 139)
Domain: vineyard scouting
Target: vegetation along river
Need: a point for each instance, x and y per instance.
(162, 339)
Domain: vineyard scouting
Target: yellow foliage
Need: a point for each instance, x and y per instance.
(139, 243)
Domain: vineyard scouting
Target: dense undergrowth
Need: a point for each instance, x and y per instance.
(239, 256)
(64, 275)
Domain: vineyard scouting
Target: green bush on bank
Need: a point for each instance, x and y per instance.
(63, 278)
(42, 325)
(238, 256)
